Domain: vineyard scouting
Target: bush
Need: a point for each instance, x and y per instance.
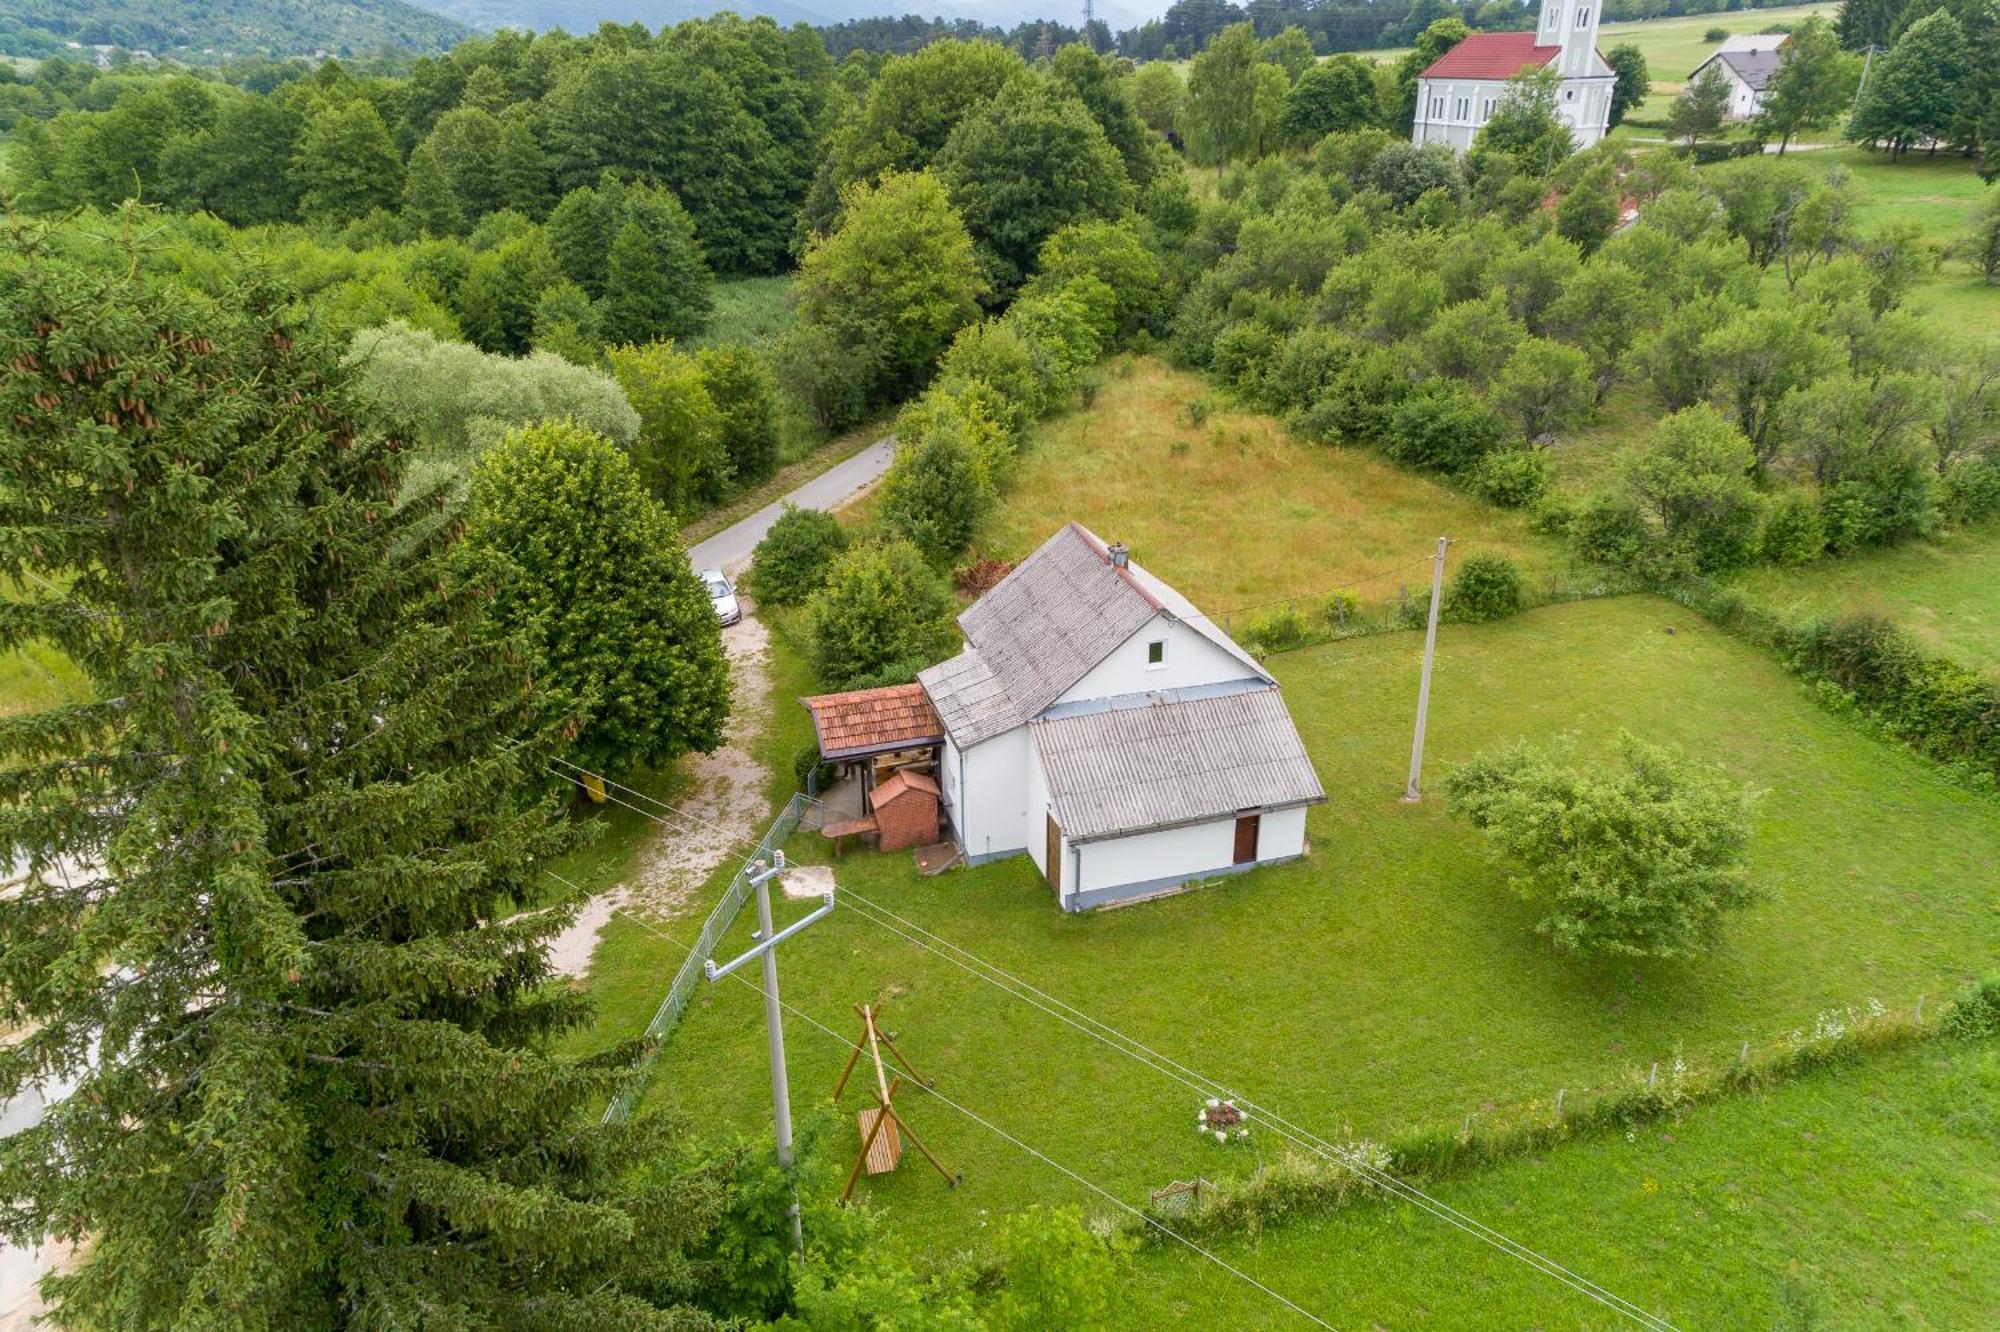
(1793, 533)
(1340, 608)
(1971, 491)
(1610, 529)
(811, 771)
(1486, 587)
(1444, 426)
(1512, 478)
(1975, 1013)
(791, 562)
(1280, 630)
(745, 397)
(1640, 858)
(935, 494)
(1949, 711)
(883, 615)
(1716, 35)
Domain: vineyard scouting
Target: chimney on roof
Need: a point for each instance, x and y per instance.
(1120, 554)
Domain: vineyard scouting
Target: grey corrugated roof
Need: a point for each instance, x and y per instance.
(1161, 764)
(968, 699)
(1043, 627)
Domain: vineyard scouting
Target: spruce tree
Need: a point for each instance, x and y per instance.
(270, 865)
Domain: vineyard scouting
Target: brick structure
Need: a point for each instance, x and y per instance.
(906, 810)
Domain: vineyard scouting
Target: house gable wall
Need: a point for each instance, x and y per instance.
(1191, 660)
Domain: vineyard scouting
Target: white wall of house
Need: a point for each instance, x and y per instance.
(994, 814)
(1190, 659)
(1744, 101)
(1183, 853)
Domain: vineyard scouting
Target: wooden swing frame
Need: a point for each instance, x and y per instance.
(871, 1040)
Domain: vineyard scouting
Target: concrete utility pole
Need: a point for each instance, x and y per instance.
(766, 947)
(1414, 791)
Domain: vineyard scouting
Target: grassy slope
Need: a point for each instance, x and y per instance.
(1947, 591)
(1864, 1195)
(1391, 978)
(1235, 511)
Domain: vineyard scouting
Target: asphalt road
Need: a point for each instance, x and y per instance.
(730, 548)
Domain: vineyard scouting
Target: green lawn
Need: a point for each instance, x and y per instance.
(1861, 1197)
(1947, 591)
(1389, 979)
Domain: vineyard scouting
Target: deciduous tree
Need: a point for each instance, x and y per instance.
(589, 572)
(1640, 857)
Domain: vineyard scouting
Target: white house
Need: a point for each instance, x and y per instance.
(1747, 61)
(1461, 89)
(1099, 723)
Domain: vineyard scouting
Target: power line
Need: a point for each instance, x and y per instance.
(987, 1124)
(1168, 1067)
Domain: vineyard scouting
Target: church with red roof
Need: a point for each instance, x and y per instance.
(1462, 88)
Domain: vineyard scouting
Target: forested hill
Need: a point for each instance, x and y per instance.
(233, 27)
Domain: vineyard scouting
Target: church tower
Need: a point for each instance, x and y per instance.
(1572, 25)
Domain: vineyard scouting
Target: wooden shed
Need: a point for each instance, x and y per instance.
(906, 810)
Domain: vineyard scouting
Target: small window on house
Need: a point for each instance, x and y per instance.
(1156, 653)
(1569, 94)
(1583, 17)
(1464, 107)
(1554, 14)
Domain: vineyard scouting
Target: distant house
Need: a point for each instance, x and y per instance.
(1748, 62)
(1099, 724)
(1460, 90)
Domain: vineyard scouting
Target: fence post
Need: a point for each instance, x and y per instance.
(1560, 1093)
(1743, 1055)
(1653, 1076)
(1920, 1010)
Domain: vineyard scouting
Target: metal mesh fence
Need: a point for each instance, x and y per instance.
(675, 1002)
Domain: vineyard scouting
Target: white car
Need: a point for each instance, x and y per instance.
(721, 596)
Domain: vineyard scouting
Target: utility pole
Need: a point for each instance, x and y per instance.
(1414, 791)
(1867, 63)
(766, 947)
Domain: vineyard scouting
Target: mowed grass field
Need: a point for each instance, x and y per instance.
(1390, 979)
(1236, 511)
(1674, 46)
(1859, 1197)
(1946, 592)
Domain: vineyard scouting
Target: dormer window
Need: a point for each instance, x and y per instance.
(1156, 654)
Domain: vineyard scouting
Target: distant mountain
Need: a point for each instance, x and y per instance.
(579, 16)
(238, 27)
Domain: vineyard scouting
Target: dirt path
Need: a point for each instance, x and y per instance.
(725, 811)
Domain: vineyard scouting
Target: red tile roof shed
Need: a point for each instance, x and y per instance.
(873, 721)
(1491, 55)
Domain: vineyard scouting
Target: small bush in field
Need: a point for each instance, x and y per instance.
(808, 762)
(1276, 631)
(1976, 1011)
(1512, 478)
(1340, 608)
(1486, 587)
(1196, 410)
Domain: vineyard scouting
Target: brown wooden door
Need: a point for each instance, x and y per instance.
(1054, 856)
(1246, 837)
